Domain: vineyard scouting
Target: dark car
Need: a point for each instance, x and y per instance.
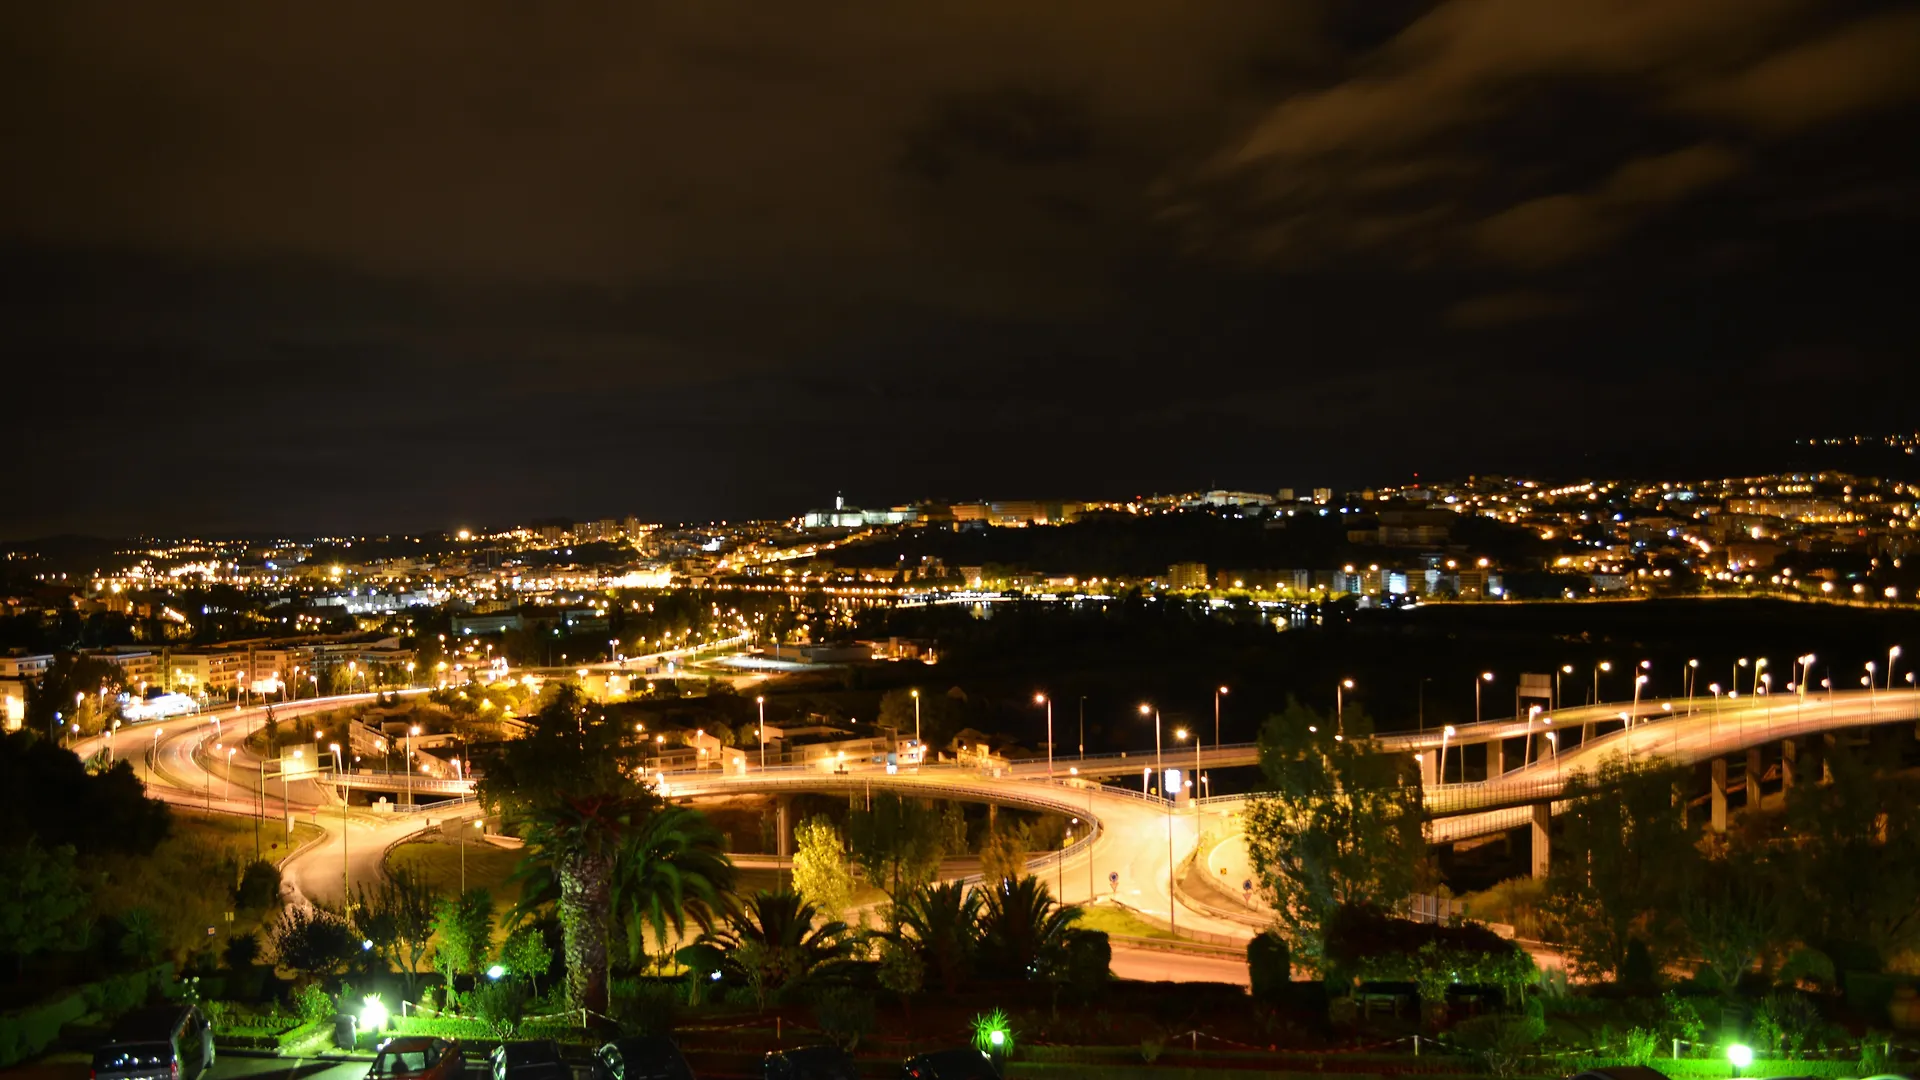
(165, 1042)
(824, 1062)
(534, 1059)
(418, 1057)
(643, 1057)
(964, 1063)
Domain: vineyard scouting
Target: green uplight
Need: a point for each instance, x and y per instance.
(495, 972)
(1740, 1055)
(373, 1013)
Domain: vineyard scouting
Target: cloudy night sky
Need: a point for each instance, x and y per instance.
(394, 266)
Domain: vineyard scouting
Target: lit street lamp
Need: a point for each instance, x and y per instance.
(1485, 677)
(1445, 734)
(1042, 699)
(1160, 768)
(761, 701)
(1340, 705)
(1604, 665)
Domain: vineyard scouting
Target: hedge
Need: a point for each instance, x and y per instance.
(27, 1032)
(1718, 1069)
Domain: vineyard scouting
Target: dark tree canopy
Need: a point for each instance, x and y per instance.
(46, 791)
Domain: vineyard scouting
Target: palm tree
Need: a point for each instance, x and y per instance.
(573, 848)
(1023, 933)
(938, 923)
(673, 868)
(773, 942)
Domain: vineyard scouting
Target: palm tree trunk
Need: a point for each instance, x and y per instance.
(585, 887)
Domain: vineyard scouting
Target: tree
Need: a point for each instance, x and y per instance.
(41, 784)
(1023, 933)
(572, 784)
(42, 905)
(938, 923)
(1618, 864)
(777, 941)
(242, 951)
(896, 842)
(501, 1004)
(525, 955)
(312, 941)
(1734, 912)
(464, 926)
(1863, 827)
(410, 901)
(673, 869)
(1341, 823)
(1003, 857)
(821, 872)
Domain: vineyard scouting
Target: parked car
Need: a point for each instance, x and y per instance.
(418, 1057)
(534, 1059)
(643, 1057)
(165, 1042)
(964, 1063)
(824, 1062)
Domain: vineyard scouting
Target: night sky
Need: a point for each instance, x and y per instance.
(416, 265)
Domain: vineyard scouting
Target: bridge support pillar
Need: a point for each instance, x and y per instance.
(1496, 758)
(1719, 767)
(1542, 852)
(1430, 769)
(1756, 771)
(782, 825)
(1789, 765)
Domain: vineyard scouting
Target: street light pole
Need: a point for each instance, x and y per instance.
(346, 798)
(1159, 767)
(1218, 693)
(1340, 704)
(761, 700)
(916, 725)
(1043, 699)
(1485, 677)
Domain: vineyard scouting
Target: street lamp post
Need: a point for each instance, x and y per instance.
(1738, 664)
(1892, 655)
(1043, 699)
(1445, 734)
(1218, 693)
(1639, 681)
(916, 725)
(1340, 705)
(1604, 665)
(1565, 669)
(1693, 676)
(1485, 677)
(1161, 769)
(346, 798)
(761, 701)
(411, 732)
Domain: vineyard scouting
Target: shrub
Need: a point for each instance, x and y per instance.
(1501, 1042)
(644, 1007)
(844, 1016)
(1270, 966)
(314, 1004)
(1151, 1047)
(242, 951)
(1640, 1046)
(259, 886)
(502, 1003)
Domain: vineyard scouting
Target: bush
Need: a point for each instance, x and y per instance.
(1270, 966)
(1502, 1043)
(259, 886)
(645, 1007)
(242, 951)
(844, 1016)
(502, 1003)
(314, 1004)
(29, 1031)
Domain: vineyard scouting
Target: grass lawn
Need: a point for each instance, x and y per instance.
(488, 867)
(1120, 922)
(235, 834)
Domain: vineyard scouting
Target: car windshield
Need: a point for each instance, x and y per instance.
(400, 1062)
(122, 1057)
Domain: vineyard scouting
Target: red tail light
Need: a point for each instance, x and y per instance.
(173, 1068)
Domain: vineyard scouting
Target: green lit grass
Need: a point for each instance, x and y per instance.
(1121, 923)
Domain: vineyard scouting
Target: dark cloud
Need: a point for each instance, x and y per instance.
(373, 262)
